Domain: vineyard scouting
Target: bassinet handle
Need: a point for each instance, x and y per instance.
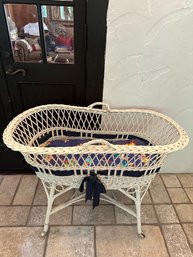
(100, 103)
(99, 141)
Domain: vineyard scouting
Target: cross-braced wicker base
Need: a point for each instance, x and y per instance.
(28, 131)
(135, 193)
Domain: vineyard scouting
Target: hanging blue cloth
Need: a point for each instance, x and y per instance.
(94, 188)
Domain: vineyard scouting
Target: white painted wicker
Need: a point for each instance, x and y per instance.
(24, 132)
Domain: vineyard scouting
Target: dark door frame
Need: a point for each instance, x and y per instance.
(95, 39)
(96, 43)
(8, 158)
(69, 79)
(4, 94)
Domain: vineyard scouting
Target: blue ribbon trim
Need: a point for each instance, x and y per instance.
(94, 188)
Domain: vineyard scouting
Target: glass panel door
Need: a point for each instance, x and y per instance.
(24, 35)
(59, 38)
(50, 65)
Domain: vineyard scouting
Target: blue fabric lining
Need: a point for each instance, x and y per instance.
(113, 160)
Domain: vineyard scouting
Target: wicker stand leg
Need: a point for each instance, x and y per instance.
(124, 207)
(50, 200)
(138, 211)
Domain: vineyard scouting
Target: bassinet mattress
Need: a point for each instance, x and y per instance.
(90, 160)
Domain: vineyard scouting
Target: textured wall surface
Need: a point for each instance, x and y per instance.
(149, 63)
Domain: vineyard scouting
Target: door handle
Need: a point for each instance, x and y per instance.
(12, 73)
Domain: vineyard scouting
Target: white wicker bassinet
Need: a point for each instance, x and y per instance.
(26, 132)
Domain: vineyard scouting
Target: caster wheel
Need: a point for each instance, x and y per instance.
(142, 235)
(43, 234)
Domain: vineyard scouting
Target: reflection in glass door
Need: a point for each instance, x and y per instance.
(25, 37)
(23, 27)
(59, 39)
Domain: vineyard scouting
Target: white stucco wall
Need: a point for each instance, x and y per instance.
(149, 63)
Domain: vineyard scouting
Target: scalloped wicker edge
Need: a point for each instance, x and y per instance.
(161, 149)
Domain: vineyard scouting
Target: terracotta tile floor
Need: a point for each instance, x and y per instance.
(107, 231)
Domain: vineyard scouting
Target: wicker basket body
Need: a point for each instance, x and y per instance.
(24, 134)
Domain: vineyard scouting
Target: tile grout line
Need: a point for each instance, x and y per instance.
(86, 225)
(2, 179)
(39, 181)
(114, 214)
(179, 180)
(31, 206)
(173, 205)
(159, 223)
(184, 188)
(95, 251)
(177, 174)
(189, 201)
(16, 190)
(181, 186)
(42, 205)
(72, 213)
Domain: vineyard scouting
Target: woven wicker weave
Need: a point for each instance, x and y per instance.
(25, 131)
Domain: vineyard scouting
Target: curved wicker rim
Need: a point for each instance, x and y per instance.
(11, 143)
